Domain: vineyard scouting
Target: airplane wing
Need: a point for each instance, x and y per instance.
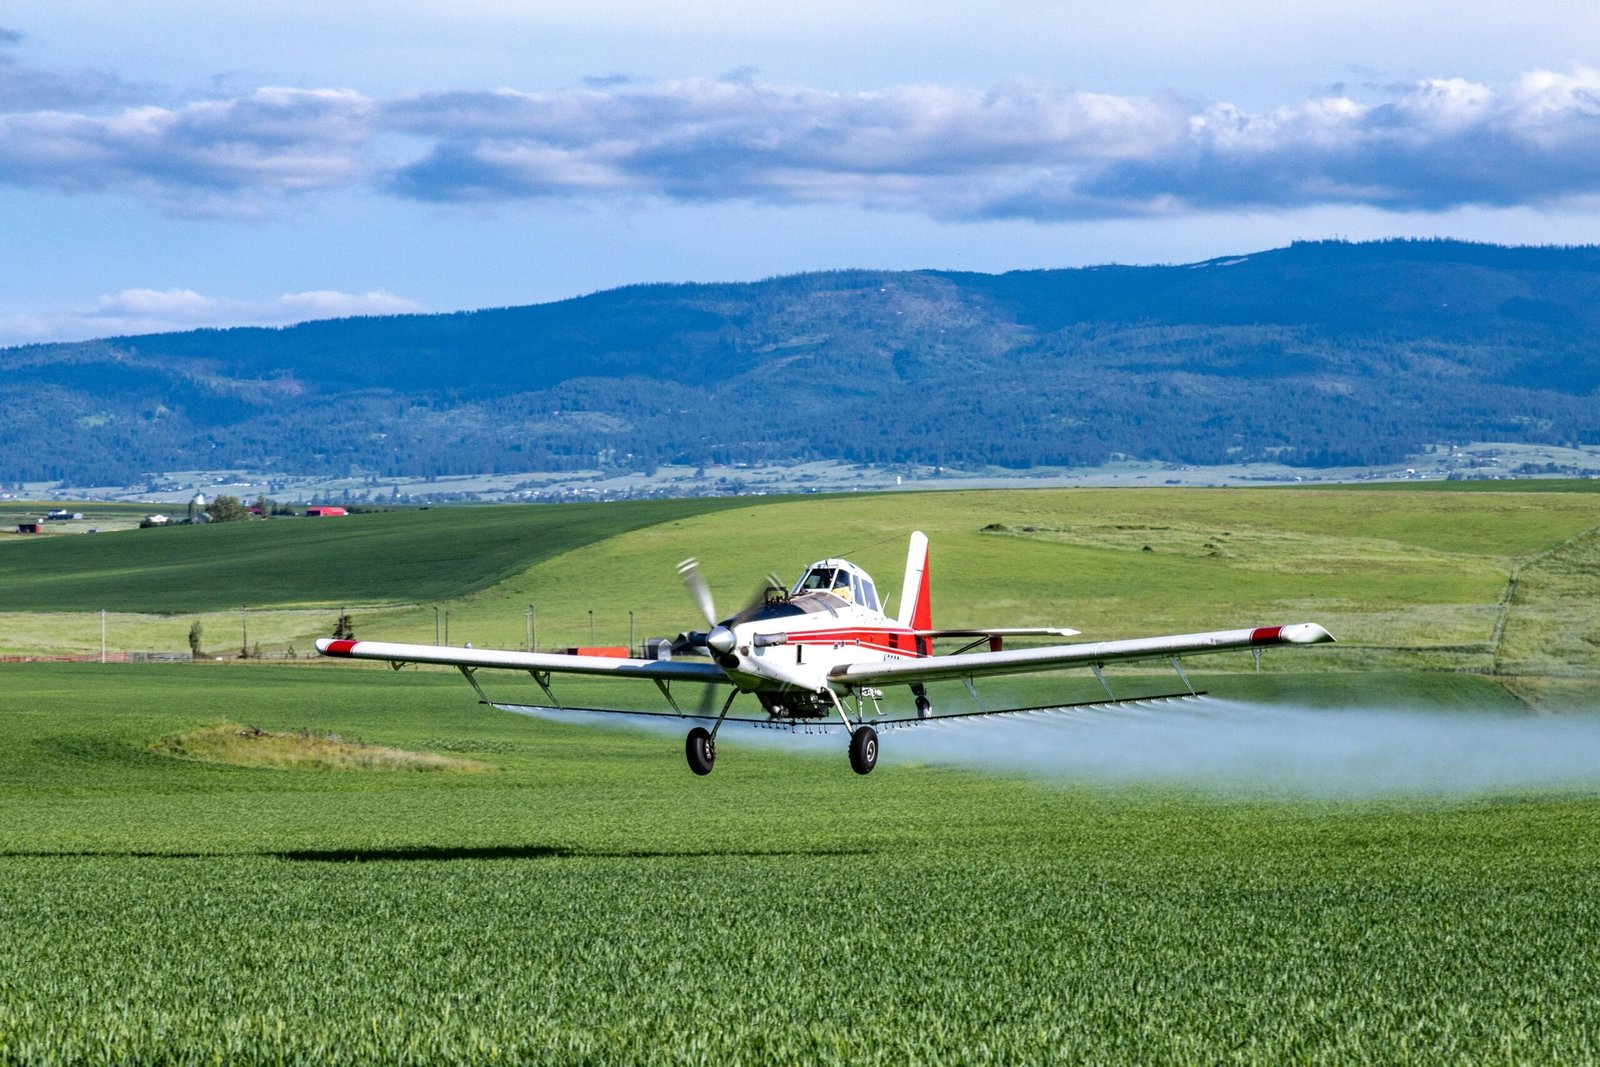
(1064, 657)
(675, 670)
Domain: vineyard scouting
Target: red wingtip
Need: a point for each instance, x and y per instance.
(339, 648)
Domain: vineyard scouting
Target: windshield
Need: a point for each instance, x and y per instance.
(817, 580)
(842, 582)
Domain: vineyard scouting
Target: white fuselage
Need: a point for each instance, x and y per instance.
(793, 643)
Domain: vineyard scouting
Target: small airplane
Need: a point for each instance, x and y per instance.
(801, 651)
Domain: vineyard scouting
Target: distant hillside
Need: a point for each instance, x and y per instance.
(1318, 354)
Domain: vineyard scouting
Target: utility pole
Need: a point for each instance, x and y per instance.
(436, 624)
(630, 634)
(244, 649)
(533, 641)
(102, 635)
(591, 627)
(447, 626)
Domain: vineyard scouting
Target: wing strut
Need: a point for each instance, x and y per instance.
(467, 673)
(666, 691)
(543, 678)
(839, 706)
(1103, 684)
(1179, 668)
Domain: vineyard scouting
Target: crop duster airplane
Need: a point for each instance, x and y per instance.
(802, 652)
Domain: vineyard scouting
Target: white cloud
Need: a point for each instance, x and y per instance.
(1023, 150)
(141, 311)
(25, 87)
(263, 145)
(331, 304)
(172, 304)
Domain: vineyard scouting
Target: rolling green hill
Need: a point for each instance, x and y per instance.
(396, 557)
(1500, 584)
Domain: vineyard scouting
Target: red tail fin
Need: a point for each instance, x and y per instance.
(916, 607)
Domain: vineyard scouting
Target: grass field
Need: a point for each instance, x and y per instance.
(591, 901)
(99, 516)
(388, 557)
(586, 899)
(1490, 582)
(1512, 485)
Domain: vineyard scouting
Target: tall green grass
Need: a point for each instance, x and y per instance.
(592, 901)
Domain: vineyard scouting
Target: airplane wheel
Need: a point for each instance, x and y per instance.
(863, 749)
(924, 707)
(702, 751)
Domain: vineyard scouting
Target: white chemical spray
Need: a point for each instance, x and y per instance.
(1227, 746)
(1232, 747)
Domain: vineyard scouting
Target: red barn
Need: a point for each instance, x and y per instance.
(324, 510)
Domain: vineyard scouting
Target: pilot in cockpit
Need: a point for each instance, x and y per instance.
(827, 580)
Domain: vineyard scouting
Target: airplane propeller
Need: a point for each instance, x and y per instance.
(719, 639)
(699, 591)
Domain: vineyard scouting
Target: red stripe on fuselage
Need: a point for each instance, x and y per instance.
(873, 638)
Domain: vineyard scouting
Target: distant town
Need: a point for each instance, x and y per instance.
(332, 495)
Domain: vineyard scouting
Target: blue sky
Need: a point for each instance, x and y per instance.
(189, 163)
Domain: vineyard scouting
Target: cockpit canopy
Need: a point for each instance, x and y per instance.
(841, 578)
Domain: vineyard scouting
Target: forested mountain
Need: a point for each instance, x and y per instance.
(1318, 354)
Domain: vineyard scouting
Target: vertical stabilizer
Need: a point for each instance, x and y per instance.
(916, 610)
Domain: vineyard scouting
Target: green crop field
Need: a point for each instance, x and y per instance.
(1483, 485)
(587, 899)
(385, 557)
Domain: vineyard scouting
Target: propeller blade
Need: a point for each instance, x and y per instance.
(695, 582)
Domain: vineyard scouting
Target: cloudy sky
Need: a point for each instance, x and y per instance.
(193, 163)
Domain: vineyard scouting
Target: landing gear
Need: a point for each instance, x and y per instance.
(924, 705)
(701, 745)
(863, 749)
(701, 751)
(863, 738)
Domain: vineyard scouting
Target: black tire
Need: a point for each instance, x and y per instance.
(701, 751)
(924, 707)
(863, 750)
